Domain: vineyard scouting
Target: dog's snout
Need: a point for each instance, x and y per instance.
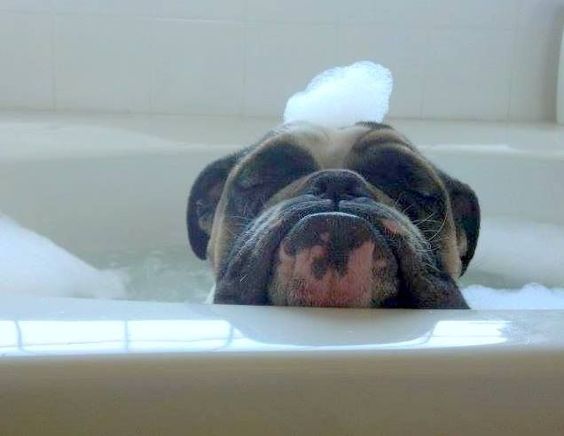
(338, 185)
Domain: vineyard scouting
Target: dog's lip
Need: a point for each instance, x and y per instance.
(357, 228)
(331, 214)
(270, 229)
(339, 211)
(334, 221)
(346, 210)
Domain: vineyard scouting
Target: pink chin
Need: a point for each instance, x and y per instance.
(351, 289)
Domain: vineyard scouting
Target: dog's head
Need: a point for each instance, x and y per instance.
(353, 217)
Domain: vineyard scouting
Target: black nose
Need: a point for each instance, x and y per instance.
(338, 185)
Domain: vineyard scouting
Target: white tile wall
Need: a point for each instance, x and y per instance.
(534, 75)
(233, 10)
(468, 72)
(366, 41)
(293, 11)
(102, 63)
(535, 61)
(281, 59)
(106, 7)
(478, 59)
(478, 14)
(540, 13)
(26, 68)
(400, 13)
(25, 5)
(187, 80)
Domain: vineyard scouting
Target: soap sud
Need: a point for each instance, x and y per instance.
(343, 96)
(531, 296)
(32, 264)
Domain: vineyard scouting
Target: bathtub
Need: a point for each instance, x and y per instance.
(98, 184)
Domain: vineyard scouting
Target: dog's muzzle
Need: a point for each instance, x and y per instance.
(331, 259)
(337, 258)
(331, 245)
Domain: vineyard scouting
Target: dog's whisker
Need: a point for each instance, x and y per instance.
(439, 230)
(397, 200)
(419, 222)
(241, 219)
(427, 219)
(406, 209)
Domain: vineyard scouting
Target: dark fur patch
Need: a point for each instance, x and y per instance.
(372, 125)
(202, 201)
(277, 165)
(466, 214)
(265, 173)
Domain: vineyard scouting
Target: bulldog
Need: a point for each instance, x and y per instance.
(350, 217)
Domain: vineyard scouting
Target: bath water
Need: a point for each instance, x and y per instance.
(511, 258)
(165, 274)
(174, 274)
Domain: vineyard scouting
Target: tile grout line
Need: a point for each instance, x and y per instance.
(53, 23)
(513, 58)
(246, 30)
(152, 73)
(424, 73)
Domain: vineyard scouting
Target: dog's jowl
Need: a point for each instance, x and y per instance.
(352, 217)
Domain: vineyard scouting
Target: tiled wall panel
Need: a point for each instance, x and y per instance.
(459, 59)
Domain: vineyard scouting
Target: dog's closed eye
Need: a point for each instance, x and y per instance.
(275, 167)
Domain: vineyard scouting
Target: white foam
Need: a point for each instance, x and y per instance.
(342, 96)
(531, 296)
(32, 264)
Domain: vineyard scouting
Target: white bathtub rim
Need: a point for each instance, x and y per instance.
(49, 326)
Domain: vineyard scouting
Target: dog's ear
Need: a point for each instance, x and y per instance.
(466, 214)
(202, 202)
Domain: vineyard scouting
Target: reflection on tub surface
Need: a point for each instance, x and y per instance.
(30, 337)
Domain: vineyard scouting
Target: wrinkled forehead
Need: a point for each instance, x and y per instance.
(330, 147)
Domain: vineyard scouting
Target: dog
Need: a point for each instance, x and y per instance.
(349, 217)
